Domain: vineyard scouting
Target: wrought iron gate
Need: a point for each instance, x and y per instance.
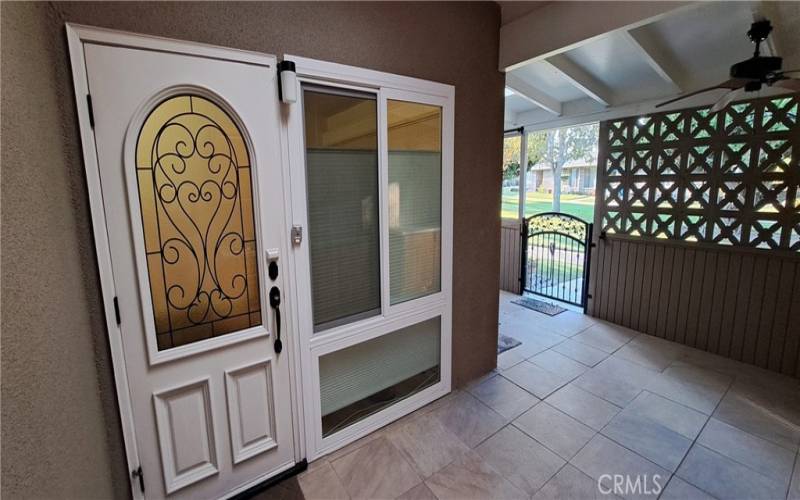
(555, 257)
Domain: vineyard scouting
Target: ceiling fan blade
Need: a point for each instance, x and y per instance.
(731, 84)
(725, 100)
(789, 71)
(788, 83)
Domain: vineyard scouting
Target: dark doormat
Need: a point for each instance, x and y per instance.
(539, 306)
(505, 343)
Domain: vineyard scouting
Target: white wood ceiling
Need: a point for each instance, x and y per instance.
(574, 62)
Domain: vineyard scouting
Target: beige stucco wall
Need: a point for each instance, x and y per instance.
(60, 425)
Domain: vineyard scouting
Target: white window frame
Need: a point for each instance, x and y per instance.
(392, 318)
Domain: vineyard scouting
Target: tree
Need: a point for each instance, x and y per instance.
(567, 144)
(511, 148)
(511, 153)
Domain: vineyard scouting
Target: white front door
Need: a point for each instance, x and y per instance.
(189, 159)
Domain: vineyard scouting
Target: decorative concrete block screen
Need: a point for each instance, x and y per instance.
(728, 178)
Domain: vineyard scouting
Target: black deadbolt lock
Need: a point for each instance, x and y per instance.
(273, 270)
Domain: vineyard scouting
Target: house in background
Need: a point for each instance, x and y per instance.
(577, 177)
(251, 250)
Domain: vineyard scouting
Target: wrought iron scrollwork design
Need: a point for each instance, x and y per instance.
(195, 172)
(557, 223)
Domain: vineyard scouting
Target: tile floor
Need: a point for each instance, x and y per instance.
(578, 399)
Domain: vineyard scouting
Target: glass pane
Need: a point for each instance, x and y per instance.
(363, 379)
(562, 171)
(193, 172)
(342, 176)
(509, 208)
(415, 199)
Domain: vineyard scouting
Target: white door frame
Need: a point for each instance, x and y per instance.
(77, 35)
(384, 86)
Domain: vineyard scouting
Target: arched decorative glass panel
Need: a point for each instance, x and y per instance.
(193, 172)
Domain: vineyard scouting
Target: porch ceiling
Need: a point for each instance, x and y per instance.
(569, 63)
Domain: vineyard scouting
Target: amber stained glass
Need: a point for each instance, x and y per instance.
(195, 192)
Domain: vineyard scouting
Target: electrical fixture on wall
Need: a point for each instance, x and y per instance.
(288, 82)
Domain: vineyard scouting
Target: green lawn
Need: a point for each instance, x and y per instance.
(555, 272)
(580, 206)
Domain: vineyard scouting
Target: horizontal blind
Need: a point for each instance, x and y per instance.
(342, 185)
(354, 373)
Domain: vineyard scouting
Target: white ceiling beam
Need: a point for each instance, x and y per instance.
(532, 94)
(586, 111)
(656, 57)
(561, 26)
(580, 79)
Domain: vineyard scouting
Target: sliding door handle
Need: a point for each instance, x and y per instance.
(275, 302)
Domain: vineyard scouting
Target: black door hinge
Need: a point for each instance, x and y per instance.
(138, 473)
(116, 311)
(91, 109)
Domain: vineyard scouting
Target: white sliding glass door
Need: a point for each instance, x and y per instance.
(371, 160)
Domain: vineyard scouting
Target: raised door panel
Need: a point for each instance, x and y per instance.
(251, 411)
(186, 434)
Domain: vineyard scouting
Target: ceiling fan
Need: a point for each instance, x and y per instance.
(751, 74)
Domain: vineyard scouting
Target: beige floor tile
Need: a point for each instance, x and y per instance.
(570, 484)
(614, 390)
(322, 483)
(649, 439)
(535, 379)
(375, 470)
(605, 336)
(288, 489)
(746, 414)
(358, 443)
(672, 415)
(472, 384)
(779, 394)
(602, 456)
(719, 364)
(763, 456)
(629, 371)
(472, 478)
(559, 364)
(504, 397)
(651, 352)
(469, 419)
(547, 338)
(691, 386)
(554, 429)
(570, 323)
(616, 380)
(582, 353)
(530, 347)
(508, 359)
(427, 444)
(418, 492)
(583, 406)
(520, 459)
(725, 478)
(678, 489)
